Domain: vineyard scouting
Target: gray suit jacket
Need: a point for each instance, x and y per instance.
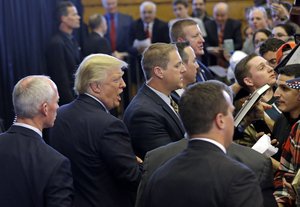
(261, 165)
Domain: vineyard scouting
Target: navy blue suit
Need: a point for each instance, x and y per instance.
(104, 167)
(32, 173)
(203, 175)
(151, 122)
(261, 166)
(123, 22)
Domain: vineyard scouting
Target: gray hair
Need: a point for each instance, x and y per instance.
(147, 3)
(30, 93)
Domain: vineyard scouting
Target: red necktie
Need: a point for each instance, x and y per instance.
(112, 33)
(147, 31)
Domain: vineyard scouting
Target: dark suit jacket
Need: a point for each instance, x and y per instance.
(104, 167)
(261, 165)
(203, 73)
(160, 33)
(63, 58)
(232, 30)
(203, 175)
(32, 173)
(151, 122)
(96, 44)
(122, 25)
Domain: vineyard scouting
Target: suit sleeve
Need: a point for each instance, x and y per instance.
(117, 153)
(59, 192)
(147, 131)
(244, 190)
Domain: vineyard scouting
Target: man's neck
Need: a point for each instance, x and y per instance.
(65, 29)
(32, 122)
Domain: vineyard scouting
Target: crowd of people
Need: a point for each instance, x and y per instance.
(175, 142)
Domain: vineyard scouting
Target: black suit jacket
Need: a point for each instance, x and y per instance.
(63, 57)
(151, 122)
(203, 175)
(122, 25)
(261, 165)
(96, 44)
(32, 173)
(104, 166)
(232, 30)
(160, 33)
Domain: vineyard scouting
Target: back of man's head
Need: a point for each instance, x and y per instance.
(200, 104)
(30, 93)
(242, 70)
(94, 68)
(271, 44)
(290, 70)
(156, 54)
(177, 29)
(95, 21)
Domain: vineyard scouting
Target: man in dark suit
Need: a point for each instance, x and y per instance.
(95, 42)
(118, 37)
(220, 29)
(203, 175)
(63, 52)
(32, 172)
(188, 30)
(150, 118)
(147, 27)
(105, 169)
(261, 165)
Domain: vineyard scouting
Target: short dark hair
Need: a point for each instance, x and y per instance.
(180, 47)
(267, 32)
(183, 2)
(200, 104)
(271, 44)
(242, 70)
(288, 28)
(62, 9)
(95, 21)
(290, 70)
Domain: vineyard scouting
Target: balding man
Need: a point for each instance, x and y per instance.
(95, 42)
(32, 172)
(219, 29)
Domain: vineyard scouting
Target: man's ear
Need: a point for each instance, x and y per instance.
(95, 87)
(219, 120)
(180, 39)
(248, 81)
(44, 109)
(158, 72)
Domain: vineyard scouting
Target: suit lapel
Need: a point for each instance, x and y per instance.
(151, 94)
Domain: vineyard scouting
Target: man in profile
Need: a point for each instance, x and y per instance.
(152, 117)
(63, 53)
(204, 166)
(33, 173)
(105, 169)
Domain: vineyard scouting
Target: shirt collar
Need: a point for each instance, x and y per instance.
(29, 127)
(211, 141)
(161, 95)
(93, 97)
